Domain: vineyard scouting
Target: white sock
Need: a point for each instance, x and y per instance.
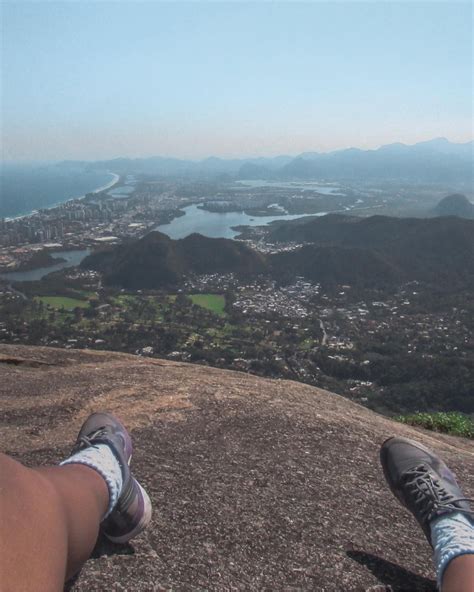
(101, 458)
(452, 535)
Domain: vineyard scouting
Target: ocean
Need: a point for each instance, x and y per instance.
(24, 188)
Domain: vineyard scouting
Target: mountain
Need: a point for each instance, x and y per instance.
(433, 161)
(256, 484)
(156, 261)
(380, 249)
(175, 167)
(369, 252)
(250, 170)
(455, 205)
(444, 146)
(330, 265)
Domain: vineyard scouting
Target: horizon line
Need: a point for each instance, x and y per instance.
(228, 158)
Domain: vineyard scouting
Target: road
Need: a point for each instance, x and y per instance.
(17, 292)
(325, 335)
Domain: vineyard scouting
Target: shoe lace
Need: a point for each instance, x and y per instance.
(87, 441)
(429, 495)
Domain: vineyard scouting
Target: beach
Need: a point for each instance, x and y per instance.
(104, 187)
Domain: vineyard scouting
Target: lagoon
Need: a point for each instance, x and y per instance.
(323, 189)
(217, 224)
(71, 259)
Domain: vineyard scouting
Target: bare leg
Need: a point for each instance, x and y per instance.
(459, 575)
(49, 523)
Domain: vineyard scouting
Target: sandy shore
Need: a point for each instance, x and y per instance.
(104, 187)
(108, 185)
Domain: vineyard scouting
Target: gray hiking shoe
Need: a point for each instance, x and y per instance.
(421, 481)
(132, 512)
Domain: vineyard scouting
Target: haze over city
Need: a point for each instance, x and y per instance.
(102, 80)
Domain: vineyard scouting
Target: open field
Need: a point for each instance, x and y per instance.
(65, 302)
(213, 302)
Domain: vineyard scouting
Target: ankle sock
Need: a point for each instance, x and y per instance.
(452, 535)
(101, 458)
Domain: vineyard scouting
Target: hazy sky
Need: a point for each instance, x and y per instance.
(105, 79)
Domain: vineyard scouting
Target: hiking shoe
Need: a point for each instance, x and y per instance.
(132, 513)
(421, 481)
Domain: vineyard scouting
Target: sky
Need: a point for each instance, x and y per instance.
(99, 80)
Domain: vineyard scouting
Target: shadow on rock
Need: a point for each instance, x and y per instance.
(106, 547)
(393, 576)
(103, 547)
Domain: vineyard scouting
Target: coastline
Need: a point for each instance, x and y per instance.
(108, 185)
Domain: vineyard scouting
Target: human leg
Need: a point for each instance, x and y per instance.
(49, 522)
(459, 575)
(50, 517)
(424, 485)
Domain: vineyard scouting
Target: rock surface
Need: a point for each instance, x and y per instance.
(256, 484)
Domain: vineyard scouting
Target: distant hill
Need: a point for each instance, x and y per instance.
(380, 249)
(175, 167)
(250, 170)
(376, 252)
(337, 265)
(434, 161)
(156, 261)
(455, 205)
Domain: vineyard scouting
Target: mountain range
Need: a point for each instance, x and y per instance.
(378, 251)
(433, 161)
(436, 161)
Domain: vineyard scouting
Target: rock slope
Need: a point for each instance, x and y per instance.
(256, 484)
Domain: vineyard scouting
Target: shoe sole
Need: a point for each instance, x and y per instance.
(142, 524)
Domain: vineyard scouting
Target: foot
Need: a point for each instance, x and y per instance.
(132, 512)
(421, 481)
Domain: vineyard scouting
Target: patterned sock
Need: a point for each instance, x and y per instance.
(452, 535)
(101, 458)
